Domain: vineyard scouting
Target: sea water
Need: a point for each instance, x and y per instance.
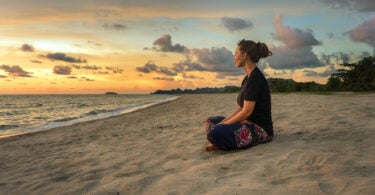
(21, 114)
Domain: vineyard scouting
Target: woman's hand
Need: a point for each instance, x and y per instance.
(244, 122)
(243, 113)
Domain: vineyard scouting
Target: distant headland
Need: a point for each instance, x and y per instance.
(111, 93)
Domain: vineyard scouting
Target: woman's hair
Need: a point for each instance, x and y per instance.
(255, 51)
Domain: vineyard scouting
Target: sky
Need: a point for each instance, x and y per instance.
(140, 46)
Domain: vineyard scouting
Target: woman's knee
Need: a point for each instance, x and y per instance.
(215, 119)
(217, 132)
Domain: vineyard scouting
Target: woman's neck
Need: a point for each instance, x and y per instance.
(249, 67)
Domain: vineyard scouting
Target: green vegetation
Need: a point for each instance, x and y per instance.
(289, 85)
(358, 77)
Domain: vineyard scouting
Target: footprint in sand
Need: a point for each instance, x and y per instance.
(231, 179)
(61, 178)
(326, 187)
(281, 181)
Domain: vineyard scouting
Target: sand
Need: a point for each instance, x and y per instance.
(323, 144)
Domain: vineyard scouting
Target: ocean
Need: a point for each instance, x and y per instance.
(20, 114)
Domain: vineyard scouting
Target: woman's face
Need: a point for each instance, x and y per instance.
(239, 57)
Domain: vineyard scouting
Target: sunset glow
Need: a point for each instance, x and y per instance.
(86, 46)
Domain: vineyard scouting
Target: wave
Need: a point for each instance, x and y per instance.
(80, 105)
(40, 118)
(11, 113)
(99, 111)
(41, 122)
(17, 106)
(6, 127)
(65, 119)
(36, 105)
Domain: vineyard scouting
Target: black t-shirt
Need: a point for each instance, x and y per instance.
(255, 88)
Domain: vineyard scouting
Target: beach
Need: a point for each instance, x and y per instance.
(322, 144)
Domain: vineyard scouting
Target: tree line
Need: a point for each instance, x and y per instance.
(358, 76)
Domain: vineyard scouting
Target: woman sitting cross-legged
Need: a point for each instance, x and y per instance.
(251, 122)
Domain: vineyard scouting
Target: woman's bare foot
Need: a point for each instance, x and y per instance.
(207, 125)
(210, 148)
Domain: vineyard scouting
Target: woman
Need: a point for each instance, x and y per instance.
(251, 122)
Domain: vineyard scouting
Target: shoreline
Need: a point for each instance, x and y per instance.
(54, 125)
(322, 144)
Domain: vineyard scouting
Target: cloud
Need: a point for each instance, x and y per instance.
(164, 44)
(284, 57)
(281, 72)
(115, 70)
(311, 73)
(293, 37)
(296, 50)
(98, 69)
(87, 67)
(343, 56)
(180, 67)
(86, 79)
(326, 73)
(27, 48)
(190, 76)
(364, 33)
(365, 55)
(94, 43)
(151, 67)
(147, 68)
(187, 65)
(359, 5)
(76, 66)
(103, 72)
(15, 71)
(36, 61)
(115, 26)
(167, 71)
(330, 35)
(62, 70)
(219, 60)
(63, 57)
(80, 79)
(216, 60)
(330, 60)
(336, 58)
(163, 78)
(233, 24)
(91, 67)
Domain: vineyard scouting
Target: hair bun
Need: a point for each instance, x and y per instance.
(264, 52)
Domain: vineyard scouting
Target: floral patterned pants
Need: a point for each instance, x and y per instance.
(234, 136)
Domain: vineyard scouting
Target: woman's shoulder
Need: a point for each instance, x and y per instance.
(257, 75)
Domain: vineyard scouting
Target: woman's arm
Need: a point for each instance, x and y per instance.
(242, 114)
(234, 113)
